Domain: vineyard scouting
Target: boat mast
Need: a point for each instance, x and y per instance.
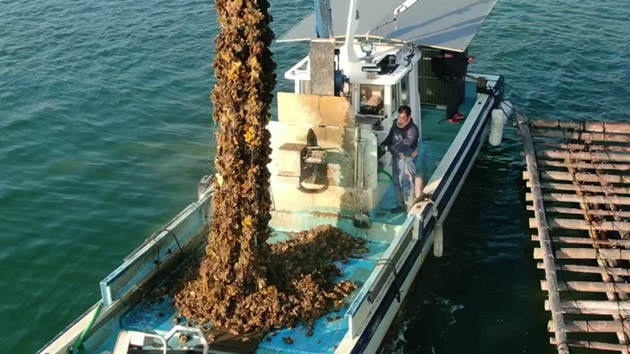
(353, 23)
(323, 18)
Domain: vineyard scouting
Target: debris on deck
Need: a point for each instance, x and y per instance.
(578, 179)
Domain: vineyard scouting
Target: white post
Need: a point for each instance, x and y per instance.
(414, 94)
(353, 23)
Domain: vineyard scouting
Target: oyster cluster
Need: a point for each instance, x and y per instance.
(300, 285)
(244, 284)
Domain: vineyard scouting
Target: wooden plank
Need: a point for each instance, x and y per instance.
(588, 269)
(602, 189)
(594, 307)
(595, 345)
(586, 165)
(581, 177)
(596, 127)
(612, 148)
(587, 286)
(584, 156)
(545, 241)
(594, 326)
(575, 224)
(573, 198)
(587, 253)
(575, 211)
(586, 241)
(585, 136)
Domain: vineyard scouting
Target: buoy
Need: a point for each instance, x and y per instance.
(499, 119)
(438, 240)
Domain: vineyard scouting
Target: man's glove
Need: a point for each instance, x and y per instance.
(380, 151)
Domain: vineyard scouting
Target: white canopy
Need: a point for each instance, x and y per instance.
(441, 24)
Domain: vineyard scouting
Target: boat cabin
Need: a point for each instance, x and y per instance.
(387, 81)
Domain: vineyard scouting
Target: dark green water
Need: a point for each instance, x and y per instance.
(105, 130)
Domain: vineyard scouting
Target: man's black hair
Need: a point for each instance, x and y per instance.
(405, 109)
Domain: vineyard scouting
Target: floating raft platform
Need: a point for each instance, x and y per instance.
(578, 189)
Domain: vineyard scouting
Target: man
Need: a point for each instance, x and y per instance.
(402, 143)
(453, 69)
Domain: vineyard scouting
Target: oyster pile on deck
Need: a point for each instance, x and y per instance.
(300, 285)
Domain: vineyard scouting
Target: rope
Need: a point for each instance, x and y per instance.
(388, 263)
(591, 221)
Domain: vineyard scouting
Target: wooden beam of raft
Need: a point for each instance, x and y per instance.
(580, 177)
(595, 345)
(587, 253)
(594, 307)
(587, 286)
(594, 326)
(584, 136)
(587, 269)
(584, 156)
(575, 211)
(574, 198)
(576, 224)
(586, 165)
(545, 240)
(584, 147)
(597, 127)
(586, 241)
(552, 186)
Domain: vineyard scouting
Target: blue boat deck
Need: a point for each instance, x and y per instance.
(438, 133)
(159, 316)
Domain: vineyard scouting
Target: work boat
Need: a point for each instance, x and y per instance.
(367, 57)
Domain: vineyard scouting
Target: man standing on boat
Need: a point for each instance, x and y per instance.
(453, 69)
(402, 143)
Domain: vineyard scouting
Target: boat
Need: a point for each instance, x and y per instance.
(326, 169)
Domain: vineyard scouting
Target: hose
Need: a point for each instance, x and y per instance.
(389, 176)
(78, 346)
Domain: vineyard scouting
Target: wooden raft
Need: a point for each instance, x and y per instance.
(578, 179)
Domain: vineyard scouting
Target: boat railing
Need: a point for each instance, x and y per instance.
(177, 237)
(384, 274)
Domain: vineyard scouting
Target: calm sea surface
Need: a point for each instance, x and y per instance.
(105, 130)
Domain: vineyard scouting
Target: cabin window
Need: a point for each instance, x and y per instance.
(372, 97)
(305, 87)
(404, 90)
